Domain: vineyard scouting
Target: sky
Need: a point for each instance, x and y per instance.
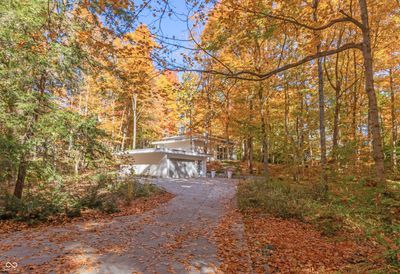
(173, 29)
(169, 24)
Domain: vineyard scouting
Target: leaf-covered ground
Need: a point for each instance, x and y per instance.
(288, 246)
(295, 247)
(135, 207)
(200, 230)
(175, 237)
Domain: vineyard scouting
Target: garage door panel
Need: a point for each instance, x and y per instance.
(183, 168)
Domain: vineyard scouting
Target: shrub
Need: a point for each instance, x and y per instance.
(32, 208)
(73, 212)
(104, 193)
(328, 223)
(97, 192)
(109, 205)
(277, 198)
(288, 200)
(146, 190)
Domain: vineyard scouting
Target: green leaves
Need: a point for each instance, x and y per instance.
(41, 65)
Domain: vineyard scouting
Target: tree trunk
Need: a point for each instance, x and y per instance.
(134, 111)
(244, 150)
(335, 137)
(24, 158)
(298, 148)
(374, 124)
(20, 183)
(321, 102)
(264, 136)
(286, 123)
(354, 114)
(250, 151)
(250, 147)
(393, 120)
(355, 101)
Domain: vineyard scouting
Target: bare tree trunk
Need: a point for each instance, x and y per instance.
(335, 137)
(208, 122)
(355, 101)
(77, 164)
(354, 114)
(125, 131)
(338, 91)
(134, 111)
(250, 147)
(121, 127)
(264, 136)
(113, 123)
(244, 150)
(377, 150)
(298, 151)
(20, 183)
(286, 123)
(250, 151)
(394, 124)
(321, 102)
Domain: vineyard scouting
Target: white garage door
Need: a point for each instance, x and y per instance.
(183, 168)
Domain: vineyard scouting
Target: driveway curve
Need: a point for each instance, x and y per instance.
(174, 238)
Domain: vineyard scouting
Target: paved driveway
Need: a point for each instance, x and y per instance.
(174, 238)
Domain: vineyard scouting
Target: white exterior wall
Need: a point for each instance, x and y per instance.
(185, 145)
(149, 164)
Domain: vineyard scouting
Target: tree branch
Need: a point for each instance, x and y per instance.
(254, 76)
(263, 76)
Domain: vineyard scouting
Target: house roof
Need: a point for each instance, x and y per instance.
(197, 137)
(169, 151)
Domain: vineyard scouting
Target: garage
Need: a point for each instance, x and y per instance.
(182, 168)
(164, 163)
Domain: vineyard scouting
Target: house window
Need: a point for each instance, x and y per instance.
(222, 153)
(219, 153)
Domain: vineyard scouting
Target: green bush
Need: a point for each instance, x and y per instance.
(96, 194)
(104, 193)
(73, 212)
(289, 200)
(109, 205)
(37, 207)
(275, 197)
(328, 223)
(129, 188)
(146, 190)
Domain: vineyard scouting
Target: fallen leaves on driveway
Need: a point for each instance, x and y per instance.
(55, 234)
(232, 248)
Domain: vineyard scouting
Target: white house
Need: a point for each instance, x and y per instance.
(177, 156)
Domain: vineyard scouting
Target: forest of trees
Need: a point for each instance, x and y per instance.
(303, 84)
(67, 87)
(307, 90)
(313, 83)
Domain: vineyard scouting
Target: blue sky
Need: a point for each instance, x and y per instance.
(173, 27)
(170, 27)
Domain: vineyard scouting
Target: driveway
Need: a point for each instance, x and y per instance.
(174, 238)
